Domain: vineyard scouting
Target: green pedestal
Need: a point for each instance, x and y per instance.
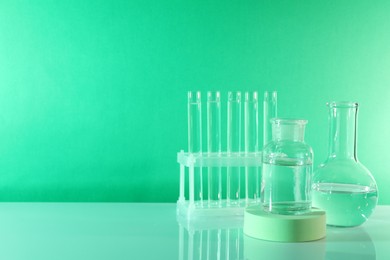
(284, 228)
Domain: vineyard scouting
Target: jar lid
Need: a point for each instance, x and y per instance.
(284, 228)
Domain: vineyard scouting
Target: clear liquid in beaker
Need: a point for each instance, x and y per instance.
(286, 187)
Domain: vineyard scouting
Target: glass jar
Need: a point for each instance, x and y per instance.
(287, 169)
(342, 186)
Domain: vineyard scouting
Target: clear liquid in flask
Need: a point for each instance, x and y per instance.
(345, 204)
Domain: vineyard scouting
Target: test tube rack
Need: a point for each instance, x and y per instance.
(216, 183)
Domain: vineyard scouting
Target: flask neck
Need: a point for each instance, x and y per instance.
(342, 130)
(288, 129)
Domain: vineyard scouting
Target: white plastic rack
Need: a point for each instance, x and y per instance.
(222, 183)
(205, 163)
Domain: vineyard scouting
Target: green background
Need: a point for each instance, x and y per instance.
(93, 93)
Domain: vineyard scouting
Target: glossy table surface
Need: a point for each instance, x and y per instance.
(152, 231)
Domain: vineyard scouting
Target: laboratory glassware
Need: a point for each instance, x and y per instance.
(342, 186)
(224, 177)
(195, 142)
(287, 169)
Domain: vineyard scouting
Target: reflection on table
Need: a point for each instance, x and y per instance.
(226, 240)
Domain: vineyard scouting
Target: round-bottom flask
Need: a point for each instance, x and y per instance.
(342, 186)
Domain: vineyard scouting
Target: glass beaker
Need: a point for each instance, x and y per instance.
(342, 186)
(287, 169)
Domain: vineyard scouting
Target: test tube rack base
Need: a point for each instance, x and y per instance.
(195, 165)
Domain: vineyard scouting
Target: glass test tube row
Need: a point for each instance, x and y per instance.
(250, 180)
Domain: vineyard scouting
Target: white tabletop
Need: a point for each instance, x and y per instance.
(152, 231)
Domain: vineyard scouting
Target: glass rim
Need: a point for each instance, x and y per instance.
(251, 96)
(213, 95)
(288, 121)
(271, 93)
(234, 96)
(343, 104)
(194, 96)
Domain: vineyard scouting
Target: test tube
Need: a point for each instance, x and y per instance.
(270, 111)
(195, 145)
(214, 146)
(233, 146)
(251, 128)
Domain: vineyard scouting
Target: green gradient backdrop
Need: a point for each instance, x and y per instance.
(93, 93)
